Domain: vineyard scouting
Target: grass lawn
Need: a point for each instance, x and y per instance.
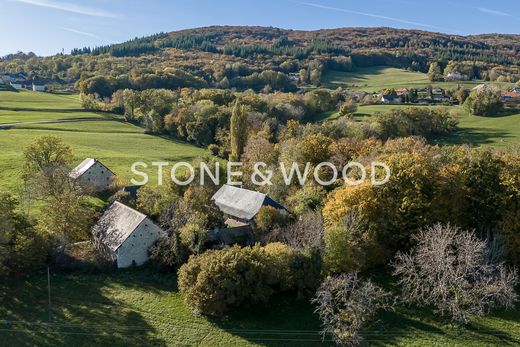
(140, 308)
(374, 79)
(104, 136)
(503, 131)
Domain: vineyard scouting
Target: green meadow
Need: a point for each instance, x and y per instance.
(144, 308)
(104, 136)
(374, 79)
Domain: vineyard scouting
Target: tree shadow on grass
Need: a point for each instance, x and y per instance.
(284, 321)
(81, 313)
(472, 136)
(421, 324)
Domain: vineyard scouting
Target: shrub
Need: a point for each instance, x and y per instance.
(349, 246)
(213, 149)
(346, 304)
(218, 281)
(309, 198)
(268, 218)
(458, 274)
(167, 253)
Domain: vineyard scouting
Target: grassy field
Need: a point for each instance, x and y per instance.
(374, 79)
(503, 131)
(140, 308)
(104, 136)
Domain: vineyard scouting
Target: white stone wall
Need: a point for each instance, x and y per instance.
(135, 248)
(97, 178)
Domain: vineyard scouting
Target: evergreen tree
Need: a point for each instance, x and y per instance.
(238, 131)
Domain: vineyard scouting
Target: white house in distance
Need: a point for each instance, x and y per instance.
(92, 174)
(455, 76)
(124, 235)
(30, 85)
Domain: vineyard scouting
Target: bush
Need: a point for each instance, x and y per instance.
(349, 246)
(458, 274)
(269, 218)
(167, 253)
(346, 304)
(219, 281)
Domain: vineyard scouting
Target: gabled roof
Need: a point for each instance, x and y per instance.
(242, 203)
(117, 224)
(83, 167)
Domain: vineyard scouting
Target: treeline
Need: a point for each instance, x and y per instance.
(172, 79)
(203, 116)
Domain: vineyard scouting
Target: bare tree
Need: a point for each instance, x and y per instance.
(457, 273)
(346, 304)
(307, 231)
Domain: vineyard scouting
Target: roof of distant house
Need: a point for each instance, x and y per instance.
(117, 224)
(83, 167)
(512, 95)
(242, 203)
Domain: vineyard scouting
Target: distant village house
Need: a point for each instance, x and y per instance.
(27, 85)
(455, 76)
(390, 98)
(7, 78)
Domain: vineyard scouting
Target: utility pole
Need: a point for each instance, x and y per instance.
(49, 292)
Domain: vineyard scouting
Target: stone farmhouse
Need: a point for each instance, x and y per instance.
(93, 175)
(124, 235)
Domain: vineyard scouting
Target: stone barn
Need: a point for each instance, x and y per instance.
(93, 175)
(124, 235)
(242, 205)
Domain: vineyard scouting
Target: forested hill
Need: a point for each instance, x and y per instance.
(245, 41)
(264, 57)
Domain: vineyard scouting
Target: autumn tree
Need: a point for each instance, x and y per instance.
(435, 73)
(348, 108)
(484, 101)
(67, 218)
(46, 165)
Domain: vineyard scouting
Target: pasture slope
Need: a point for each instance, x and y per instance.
(377, 78)
(25, 115)
(500, 132)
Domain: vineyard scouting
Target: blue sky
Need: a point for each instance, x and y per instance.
(48, 26)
